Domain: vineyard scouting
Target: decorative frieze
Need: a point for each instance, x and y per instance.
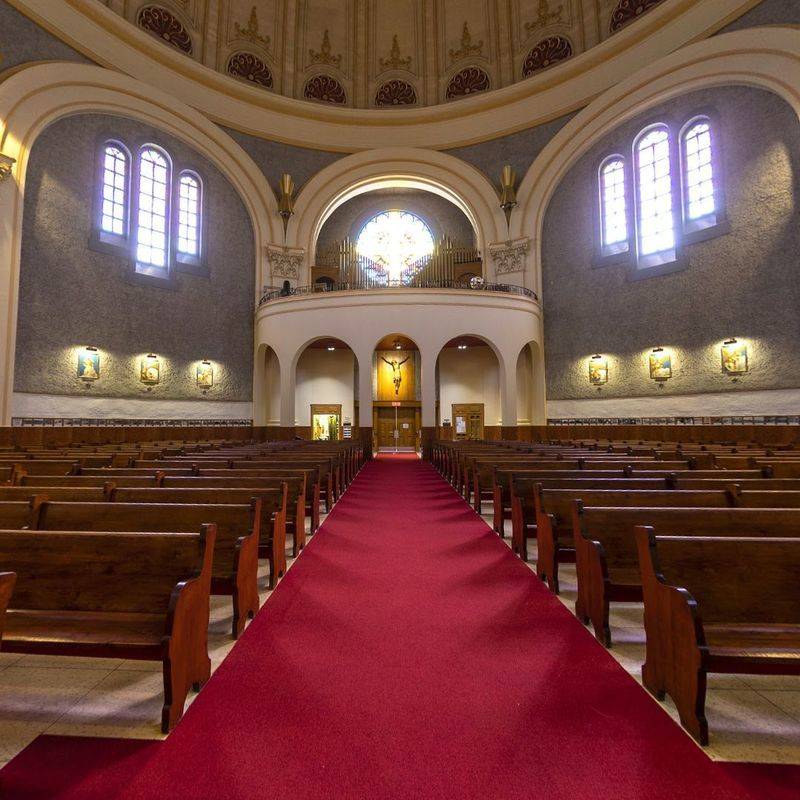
(510, 256)
(285, 262)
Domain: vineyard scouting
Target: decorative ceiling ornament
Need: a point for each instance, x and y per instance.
(467, 48)
(251, 31)
(396, 93)
(629, 10)
(285, 262)
(546, 53)
(469, 80)
(251, 68)
(510, 256)
(6, 166)
(395, 61)
(544, 17)
(325, 89)
(159, 22)
(325, 55)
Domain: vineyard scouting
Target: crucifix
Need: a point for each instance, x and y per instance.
(397, 377)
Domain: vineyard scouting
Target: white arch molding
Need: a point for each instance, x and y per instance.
(35, 96)
(397, 167)
(766, 58)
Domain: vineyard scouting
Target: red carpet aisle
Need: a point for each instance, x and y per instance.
(408, 654)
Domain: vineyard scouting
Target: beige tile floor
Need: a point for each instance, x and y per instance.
(95, 696)
(750, 717)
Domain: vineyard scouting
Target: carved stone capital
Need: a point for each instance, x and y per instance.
(285, 262)
(6, 166)
(510, 256)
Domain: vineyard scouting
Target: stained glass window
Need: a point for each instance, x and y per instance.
(189, 195)
(613, 206)
(395, 241)
(656, 229)
(152, 224)
(698, 171)
(114, 215)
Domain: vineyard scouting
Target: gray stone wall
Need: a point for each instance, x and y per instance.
(742, 284)
(22, 40)
(72, 296)
(767, 12)
(442, 216)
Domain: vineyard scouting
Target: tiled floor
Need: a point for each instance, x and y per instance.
(95, 696)
(750, 717)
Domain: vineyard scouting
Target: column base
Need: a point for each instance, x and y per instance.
(427, 437)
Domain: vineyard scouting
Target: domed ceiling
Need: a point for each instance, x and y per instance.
(381, 53)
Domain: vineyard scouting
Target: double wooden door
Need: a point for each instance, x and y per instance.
(406, 427)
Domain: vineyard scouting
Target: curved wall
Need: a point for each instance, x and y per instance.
(742, 283)
(72, 295)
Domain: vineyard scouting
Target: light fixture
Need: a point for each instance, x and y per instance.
(508, 190)
(6, 166)
(397, 345)
(331, 349)
(734, 357)
(462, 347)
(286, 200)
(89, 364)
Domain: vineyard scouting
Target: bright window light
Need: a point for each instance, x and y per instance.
(395, 240)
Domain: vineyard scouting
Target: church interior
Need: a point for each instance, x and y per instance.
(391, 401)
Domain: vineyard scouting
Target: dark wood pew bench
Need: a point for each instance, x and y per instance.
(238, 528)
(72, 494)
(45, 482)
(7, 581)
(717, 604)
(138, 596)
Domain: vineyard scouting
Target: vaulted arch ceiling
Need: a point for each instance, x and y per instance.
(381, 53)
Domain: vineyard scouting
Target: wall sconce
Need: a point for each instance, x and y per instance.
(150, 370)
(205, 374)
(734, 357)
(6, 166)
(286, 200)
(88, 364)
(598, 370)
(660, 365)
(508, 190)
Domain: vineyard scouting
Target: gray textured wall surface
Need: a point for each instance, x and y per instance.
(741, 284)
(71, 296)
(442, 216)
(22, 40)
(767, 12)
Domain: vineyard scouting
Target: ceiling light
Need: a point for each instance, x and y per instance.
(331, 349)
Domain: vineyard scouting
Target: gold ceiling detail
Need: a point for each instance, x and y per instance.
(325, 55)
(468, 48)
(251, 31)
(544, 16)
(395, 61)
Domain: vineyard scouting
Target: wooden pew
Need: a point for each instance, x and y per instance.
(7, 581)
(727, 604)
(138, 596)
(72, 494)
(238, 529)
(272, 544)
(46, 481)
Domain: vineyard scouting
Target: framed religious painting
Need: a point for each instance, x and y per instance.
(205, 375)
(598, 370)
(734, 358)
(660, 365)
(89, 364)
(150, 370)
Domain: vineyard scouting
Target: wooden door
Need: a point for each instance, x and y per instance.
(467, 421)
(406, 427)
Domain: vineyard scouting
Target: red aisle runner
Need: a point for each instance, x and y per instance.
(408, 654)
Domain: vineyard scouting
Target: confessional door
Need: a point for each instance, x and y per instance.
(467, 421)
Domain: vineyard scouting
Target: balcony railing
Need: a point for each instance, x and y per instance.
(364, 285)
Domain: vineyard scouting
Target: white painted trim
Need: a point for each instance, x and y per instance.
(51, 405)
(33, 97)
(108, 39)
(718, 404)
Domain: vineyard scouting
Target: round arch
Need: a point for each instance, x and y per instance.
(411, 168)
(766, 58)
(35, 96)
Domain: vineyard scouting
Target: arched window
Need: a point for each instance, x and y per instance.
(152, 242)
(613, 206)
(699, 191)
(396, 242)
(190, 204)
(114, 186)
(655, 213)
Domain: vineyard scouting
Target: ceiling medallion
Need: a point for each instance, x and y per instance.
(394, 61)
(467, 47)
(325, 89)
(469, 80)
(546, 53)
(251, 32)
(628, 10)
(396, 93)
(544, 16)
(163, 25)
(251, 68)
(324, 55)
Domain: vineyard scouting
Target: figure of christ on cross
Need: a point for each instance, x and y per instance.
(397, 377)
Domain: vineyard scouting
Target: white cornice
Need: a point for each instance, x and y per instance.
(108, 39)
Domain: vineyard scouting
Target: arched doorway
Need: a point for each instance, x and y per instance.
(397, 394)
(468, 390)
(326, 377)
